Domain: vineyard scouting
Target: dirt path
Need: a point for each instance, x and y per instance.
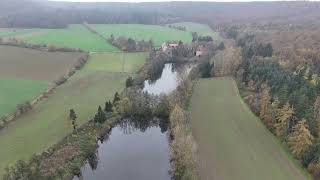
(233, 143)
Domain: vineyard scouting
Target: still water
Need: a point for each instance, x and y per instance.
(130, 152)
(169, 80)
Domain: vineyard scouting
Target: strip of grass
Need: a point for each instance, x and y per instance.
(201, 29)
(48, 122)
(75, 36)
(233, 143)
(116, 62)
(14, 91)
(158, 34)
(14, 32)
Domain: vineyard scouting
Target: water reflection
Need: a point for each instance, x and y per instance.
(136, 149)
(169, 79)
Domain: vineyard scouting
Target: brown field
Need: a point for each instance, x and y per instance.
(33, 64)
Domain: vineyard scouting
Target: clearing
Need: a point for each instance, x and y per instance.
(233, 142)
(201, 29)
(158, 34)
(48, 121)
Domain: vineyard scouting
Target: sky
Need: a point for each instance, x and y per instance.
(135, 1)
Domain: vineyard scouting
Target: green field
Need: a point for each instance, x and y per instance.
(26, 73)
(201, 29)
(116, 62)
(14, 91)
(75, 36)
(47, 123)
(14, 32)
(159, 34)
(233, 143)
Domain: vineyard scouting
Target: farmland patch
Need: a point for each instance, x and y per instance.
(75, 36)
(233, 143)
(158, 34)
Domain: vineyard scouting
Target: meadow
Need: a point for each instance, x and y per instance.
(201, 29)
(4, 32)
(158, 34)
(48, 122)
(75, 36)
(33, 64)
(233, 143)
(116, 62)
(25, 74)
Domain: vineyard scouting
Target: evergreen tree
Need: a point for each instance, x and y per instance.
(116, 98)
(72, 115)
(108, 107)
(73, 118)
(264, 107)
(300, 139)
(100, 116)
(283, 120)
(129, 82)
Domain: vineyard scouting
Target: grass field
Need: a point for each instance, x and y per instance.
(75, 36)
(233, 143)
(35, 65)
(116, 62)
(14, 32)
(14, 91)
(47, 123)
(201, 29)
(158, 34)
(25, 74)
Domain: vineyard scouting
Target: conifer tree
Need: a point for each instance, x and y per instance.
(73, 118)
(264, 107)
(108, 107)
(316, 113)
(283, 120)
(300, 139)
(100, 116)
(116, 98)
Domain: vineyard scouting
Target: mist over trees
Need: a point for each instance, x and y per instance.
(31, 13)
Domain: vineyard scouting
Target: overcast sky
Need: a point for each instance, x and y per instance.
(154, 0)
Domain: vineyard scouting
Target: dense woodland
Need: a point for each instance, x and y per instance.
(40, 13)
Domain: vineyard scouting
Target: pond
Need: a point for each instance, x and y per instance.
(169, 80)
(137, 149)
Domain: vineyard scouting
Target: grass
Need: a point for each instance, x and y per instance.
(116, 62)
(14, 32)
(34, 65)
(48, 122)
(201, 29)
(75, 36)
(233, 143)
(14, 91)
(158, 34)
(25, 74)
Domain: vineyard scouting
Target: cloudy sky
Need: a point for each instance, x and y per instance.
(154, 0)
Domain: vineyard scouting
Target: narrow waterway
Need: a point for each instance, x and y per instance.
(137, 149)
